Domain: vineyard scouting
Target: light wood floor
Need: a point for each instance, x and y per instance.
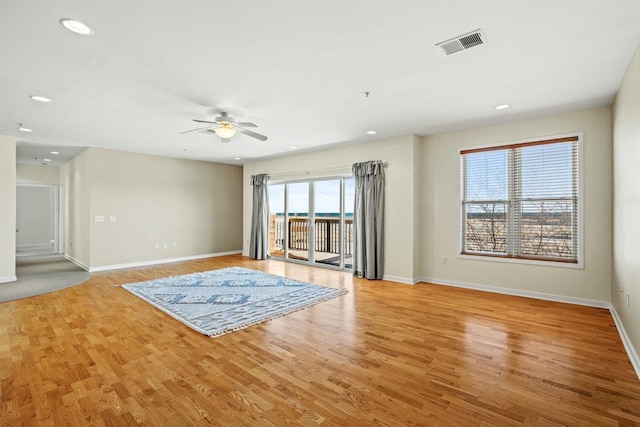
(385, 354)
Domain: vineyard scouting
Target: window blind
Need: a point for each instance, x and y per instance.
(521, 200)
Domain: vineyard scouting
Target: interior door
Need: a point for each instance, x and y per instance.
(36, 219)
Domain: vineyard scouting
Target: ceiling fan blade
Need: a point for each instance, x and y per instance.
(246, 124)
(204, 121)
(194, 130)
(251, 133)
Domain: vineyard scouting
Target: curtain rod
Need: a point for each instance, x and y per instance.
(384, 162)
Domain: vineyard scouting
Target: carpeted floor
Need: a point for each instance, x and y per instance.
(40, 275)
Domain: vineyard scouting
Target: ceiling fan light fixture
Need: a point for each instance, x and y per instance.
(225, 131)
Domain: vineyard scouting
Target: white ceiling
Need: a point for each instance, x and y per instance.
(298, 69)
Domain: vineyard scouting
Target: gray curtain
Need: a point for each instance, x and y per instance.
(368, 218)
(259, 242)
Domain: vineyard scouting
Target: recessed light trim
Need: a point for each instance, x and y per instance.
(55, 152)
(40, 98)
(237, 158)
(47, 160)
(24, 129)
(502, 106)
(76, 26)
(294, 148)
(371, 132)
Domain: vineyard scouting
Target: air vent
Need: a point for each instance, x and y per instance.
(463, 42)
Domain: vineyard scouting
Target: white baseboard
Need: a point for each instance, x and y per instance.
(160, 261)
(76, 262)
(519, 293)
(8, 279)
(626, 341)
(398, 279)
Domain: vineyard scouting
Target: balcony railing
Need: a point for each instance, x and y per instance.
(327, 234)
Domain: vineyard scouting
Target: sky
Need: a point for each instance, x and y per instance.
(327, 196)
(545, 171)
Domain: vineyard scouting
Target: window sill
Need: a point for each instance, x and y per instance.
(578, 265)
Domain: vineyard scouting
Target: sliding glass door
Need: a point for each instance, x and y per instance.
(297, 196)
(326, 219)
(311, 221)
(276, 220)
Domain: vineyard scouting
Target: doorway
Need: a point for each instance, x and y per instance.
(38, 219)
(311, 221)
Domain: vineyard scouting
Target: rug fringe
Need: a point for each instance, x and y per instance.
(242, 326)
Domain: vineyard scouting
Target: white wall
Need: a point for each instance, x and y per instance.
(76, 177)
(626, 203)
(155, 200)
(7, 209)
(35, 174)
(399, 227)
(440, 166)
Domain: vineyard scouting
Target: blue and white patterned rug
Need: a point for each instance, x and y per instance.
(221, 301)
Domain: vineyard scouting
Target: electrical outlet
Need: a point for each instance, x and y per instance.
(174, 244)
(164, 245)
(444, 259)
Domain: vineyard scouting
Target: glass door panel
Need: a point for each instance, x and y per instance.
(348, 201)
(327, 222)
(276, 220)
(298, 221)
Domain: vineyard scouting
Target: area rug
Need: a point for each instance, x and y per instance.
(217, 302)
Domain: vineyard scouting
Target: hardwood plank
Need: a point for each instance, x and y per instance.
(385, 354)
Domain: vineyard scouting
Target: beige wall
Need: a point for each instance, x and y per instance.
(76, 178)
(155, 200)
(34, 174)
(626, 202)
(7, 209)
(440, 169)
(399, 227)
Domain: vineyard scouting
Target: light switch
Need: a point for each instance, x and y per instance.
(113, 218)
(98, 218)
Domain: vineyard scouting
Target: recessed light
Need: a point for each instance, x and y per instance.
(55, 152)
(502, 106)
(24, 129)
(371, 132)
(46, 160)
(76, 26)
(237, 158)
(40, 98)
(294, 148)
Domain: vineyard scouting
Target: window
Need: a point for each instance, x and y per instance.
(521, 201)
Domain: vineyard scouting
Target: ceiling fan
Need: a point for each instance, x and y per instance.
(225, 127)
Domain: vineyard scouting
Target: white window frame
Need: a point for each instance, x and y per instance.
(548, 263)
